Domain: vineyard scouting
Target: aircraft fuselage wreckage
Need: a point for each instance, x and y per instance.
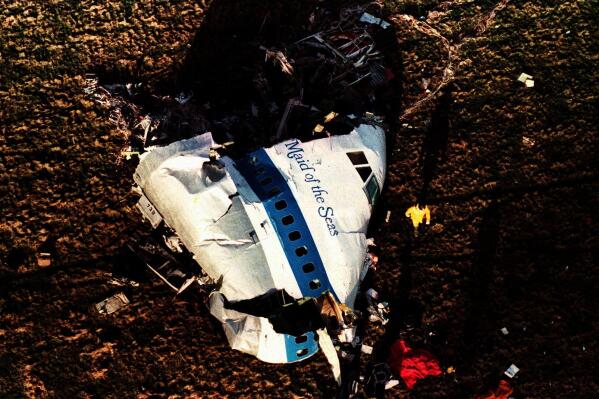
(282, 230)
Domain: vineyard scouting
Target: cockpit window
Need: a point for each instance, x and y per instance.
(372, 190)
(364, 172)
(357, 158)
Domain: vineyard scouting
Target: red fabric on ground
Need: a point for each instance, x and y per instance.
(412, 364)
(503, 391)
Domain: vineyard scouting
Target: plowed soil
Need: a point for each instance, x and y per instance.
(509, 172)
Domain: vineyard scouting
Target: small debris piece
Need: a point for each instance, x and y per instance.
(390, 384)
(371, 19)
(367, 349)
(330, 117)
(438, 228)
(318, 128)
(388, 217)
(450, 370)
(44, 259)
(512, 371)
(112, 304)
(524, 77)
(528, 142)
(504, 331)
(278, 58)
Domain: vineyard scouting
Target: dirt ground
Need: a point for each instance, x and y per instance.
(509, 172)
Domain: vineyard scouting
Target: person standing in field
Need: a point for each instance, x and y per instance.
(418, 213)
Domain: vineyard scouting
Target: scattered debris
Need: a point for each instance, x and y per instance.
(450, 370)
(504, 331)
(377, 311)
(526, 79)
(371, 19)
(512, 371)
(388, 217)
(278, 58)
(112, 304)
(367, 349)
(528, 142)
(120, 281)
(412, 364)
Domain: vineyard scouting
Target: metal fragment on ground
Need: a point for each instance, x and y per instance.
(112, 304)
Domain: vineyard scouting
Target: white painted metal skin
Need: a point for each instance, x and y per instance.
(230, 231)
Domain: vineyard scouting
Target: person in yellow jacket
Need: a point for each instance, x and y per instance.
(417, 213)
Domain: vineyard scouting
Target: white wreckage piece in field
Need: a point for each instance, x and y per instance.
(286, 222)
(112, 304)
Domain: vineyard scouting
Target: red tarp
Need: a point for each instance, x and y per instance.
(503, 391)
(412, 364)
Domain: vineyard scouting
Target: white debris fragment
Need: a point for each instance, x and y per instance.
(524, 77)
(112, 304)
(527, 141)
(391, 383)
(367, 349)
(511, 371)
(388, 217)
(504, 331)
(371, 19)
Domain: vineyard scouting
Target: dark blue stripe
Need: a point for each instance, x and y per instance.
(271, 188)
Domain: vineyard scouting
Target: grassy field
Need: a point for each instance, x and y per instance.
(509, 172)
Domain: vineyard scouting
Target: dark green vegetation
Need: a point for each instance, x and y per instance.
(509, 171)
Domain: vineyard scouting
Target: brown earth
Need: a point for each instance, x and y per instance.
(514, 236)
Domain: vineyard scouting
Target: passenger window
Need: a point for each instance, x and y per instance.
(287, 220)
(282, 204)
(295, 235)
(274, 192)
(308, 267)
(357, 158)
(364, 172)
(260, 170)
(266, 181)
(301, 339)
(301, 251)
(315, 284)
(372, 190)
(302, 352)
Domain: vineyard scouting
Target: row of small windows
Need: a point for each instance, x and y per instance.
(294, 236)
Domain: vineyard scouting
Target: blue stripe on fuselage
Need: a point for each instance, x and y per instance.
(294, 235)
